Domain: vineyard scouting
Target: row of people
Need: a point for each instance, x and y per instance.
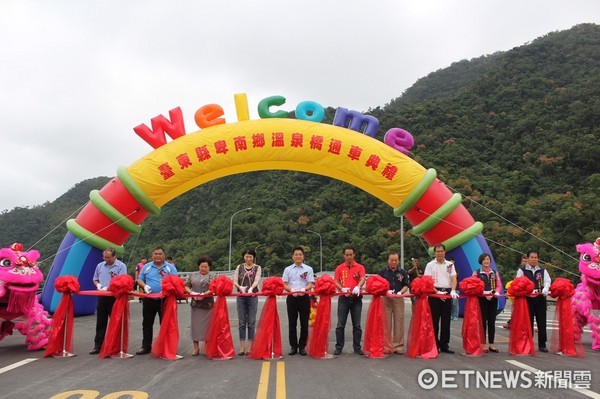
(299, 279)
(444, 275)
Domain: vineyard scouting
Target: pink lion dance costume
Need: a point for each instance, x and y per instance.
(19, 306)
(586, 301)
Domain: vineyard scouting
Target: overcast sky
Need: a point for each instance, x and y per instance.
(77, 76)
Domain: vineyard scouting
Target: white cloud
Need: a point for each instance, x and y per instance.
(76, 77)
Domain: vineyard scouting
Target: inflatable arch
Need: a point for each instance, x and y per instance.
(118, 209)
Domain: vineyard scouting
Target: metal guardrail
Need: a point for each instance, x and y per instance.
(184, 275)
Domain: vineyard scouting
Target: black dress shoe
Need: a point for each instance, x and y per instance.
(447, 350)
(302, 352)
(543, 349)
(293, 351)
(94, 351)
(337, 351)
(359, 351)
(143, 351)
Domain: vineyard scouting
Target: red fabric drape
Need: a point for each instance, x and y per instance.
(118, 324)
(219, 342)
(521, 337)
(166, 343)
(267, 341)
(62, 320)
(377, 327)
(421, 338)
(472, 328)
(319, 336)
(563, 339)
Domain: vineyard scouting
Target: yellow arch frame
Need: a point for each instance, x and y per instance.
(353, 169)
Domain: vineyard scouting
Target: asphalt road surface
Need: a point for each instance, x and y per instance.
(25, 374)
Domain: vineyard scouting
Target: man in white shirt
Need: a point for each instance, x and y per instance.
(298, 278)
(444, 278)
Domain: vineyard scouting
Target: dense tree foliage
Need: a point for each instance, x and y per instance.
(517, 133)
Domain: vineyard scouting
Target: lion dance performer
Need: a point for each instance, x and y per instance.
(586, 301)
(19, 305)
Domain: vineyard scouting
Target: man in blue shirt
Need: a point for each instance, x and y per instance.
(298, 278)
(150, 279)
(394, 307)
(104, 272)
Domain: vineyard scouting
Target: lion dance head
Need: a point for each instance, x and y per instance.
(19, 307)
(589, 261)
(20, 277)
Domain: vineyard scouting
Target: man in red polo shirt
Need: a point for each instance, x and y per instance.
(349, 278)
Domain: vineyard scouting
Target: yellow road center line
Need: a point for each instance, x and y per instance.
(263, 383)
(280, 392)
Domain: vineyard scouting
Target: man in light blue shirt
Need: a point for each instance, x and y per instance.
(298, 278)
(104, 272)
(150, 279)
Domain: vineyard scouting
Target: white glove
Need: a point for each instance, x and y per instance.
(454, 294)
(442, 293)
(194, 293)
(243, 289)
(535, 292)
(356, 291)
(147, 289)
(391, 292)
(345, 290)
(300, 292)
(104, 289)
(496, 294)
(489, 298)
(545, 291)
(99, 286)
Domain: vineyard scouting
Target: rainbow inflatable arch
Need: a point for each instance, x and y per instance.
(272, 143)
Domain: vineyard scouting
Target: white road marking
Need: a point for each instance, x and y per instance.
(17, 364)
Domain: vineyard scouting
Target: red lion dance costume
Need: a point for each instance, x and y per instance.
(19, 305)
(586, 301)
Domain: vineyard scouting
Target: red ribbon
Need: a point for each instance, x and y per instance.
(62, 320)
(318, 342)
(267, 341)
(421, 340)
(563, 339)
(472, 328)
(219, 342)
(117, 332)
(521, 337)
(167, 341)
(376, 331)
(421, 337)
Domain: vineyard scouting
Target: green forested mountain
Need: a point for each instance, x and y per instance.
(516, 132)
(521, 138)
